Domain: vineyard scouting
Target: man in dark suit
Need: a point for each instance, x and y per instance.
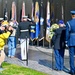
(59, 45)
(70, 40)
(23, 34)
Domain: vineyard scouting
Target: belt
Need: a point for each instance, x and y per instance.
(72, 33)
(24, 30)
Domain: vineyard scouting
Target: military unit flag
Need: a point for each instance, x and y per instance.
(23, 10)
(32, 28)
(14, 11)
(5, 12)
(48, 22)
(36, 19)
(41, 35)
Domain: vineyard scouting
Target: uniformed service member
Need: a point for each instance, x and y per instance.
(70, 40)
(23, 35)
(59, 45)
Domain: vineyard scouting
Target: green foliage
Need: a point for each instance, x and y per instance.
(10, 69)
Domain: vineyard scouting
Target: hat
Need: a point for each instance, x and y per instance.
(72, 12)
(61, 22)
(25, 17)
(5, 23)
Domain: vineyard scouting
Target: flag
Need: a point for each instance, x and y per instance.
(41, 35)
(14, 11)
(32, 14)
(36, 19)
(5, 12)
(32, 28)
(23, 10)
(48, 22)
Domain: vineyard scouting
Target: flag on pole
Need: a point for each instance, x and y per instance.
(23, 10)
(36, 19)
(48, 22)
(41, 35)
(5, 12)
(32, 28)
(14, 11)
(32, 14)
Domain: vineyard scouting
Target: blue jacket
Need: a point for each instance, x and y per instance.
(70, 32)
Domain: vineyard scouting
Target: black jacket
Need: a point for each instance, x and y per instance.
(21, 27)
(59, 38)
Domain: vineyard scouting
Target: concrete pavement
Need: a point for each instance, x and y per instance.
(40, 59)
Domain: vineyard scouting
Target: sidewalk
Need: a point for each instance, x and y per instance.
(39, 59)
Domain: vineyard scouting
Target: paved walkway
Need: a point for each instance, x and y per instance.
(39, 59)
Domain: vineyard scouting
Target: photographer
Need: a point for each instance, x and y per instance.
(3, 37)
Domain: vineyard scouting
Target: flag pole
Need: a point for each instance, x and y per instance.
(43, 38)
(43, 42)
(52, 51)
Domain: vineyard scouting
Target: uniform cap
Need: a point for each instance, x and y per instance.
(61, 22)
(72, 12)
(12, 19)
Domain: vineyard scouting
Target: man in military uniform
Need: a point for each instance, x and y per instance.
(23, 34)
(70, 40)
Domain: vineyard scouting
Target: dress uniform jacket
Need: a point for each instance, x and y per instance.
(59, 38)
(70, 32)
(23, 29)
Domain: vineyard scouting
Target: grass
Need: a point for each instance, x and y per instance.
(11, 69)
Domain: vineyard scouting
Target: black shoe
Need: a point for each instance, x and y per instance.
(71, 73)
(56, 69)
(24, 59)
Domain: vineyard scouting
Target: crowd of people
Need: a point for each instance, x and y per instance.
(63, 36)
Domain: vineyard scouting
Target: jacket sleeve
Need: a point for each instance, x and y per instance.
(5, 35)
(18, 31)
(67, 32)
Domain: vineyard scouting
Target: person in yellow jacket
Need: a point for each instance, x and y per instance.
(3, 37)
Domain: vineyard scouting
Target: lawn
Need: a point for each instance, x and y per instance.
(11, 69)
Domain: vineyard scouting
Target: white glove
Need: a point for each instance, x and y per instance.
(66, 46)
(18, 39)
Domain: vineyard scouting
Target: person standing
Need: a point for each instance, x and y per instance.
(12, 39)
(70, 40)
(58, 40)
(23, 35)
(3, 37)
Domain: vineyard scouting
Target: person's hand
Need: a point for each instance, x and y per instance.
(66, 44)
(2, 28)
(10, 28)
